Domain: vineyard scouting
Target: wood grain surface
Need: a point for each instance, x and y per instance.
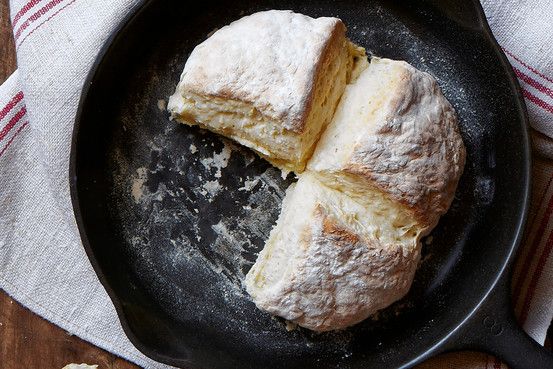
(7, 47)
(26, 340)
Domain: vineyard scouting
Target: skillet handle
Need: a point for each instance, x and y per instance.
(494, 329)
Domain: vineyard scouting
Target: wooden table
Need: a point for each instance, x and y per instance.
(26, 340)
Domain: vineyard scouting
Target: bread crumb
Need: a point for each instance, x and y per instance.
(80, 366)
(290, 326)
(162, 104)
(218, 161)
(249, 185)
(193, 149)
(212, 187)
(429, 240)
(137, 187)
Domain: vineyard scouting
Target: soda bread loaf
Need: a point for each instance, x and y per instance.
(383, 155)
(271, 81)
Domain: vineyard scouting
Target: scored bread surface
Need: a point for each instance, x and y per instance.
(382, 148)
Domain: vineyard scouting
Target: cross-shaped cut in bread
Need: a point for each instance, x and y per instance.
(384, 156)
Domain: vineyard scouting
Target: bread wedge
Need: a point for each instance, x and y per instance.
(271, 81)
(395, 137)
(330, 262)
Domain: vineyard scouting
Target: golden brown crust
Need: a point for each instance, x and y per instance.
(331, 228)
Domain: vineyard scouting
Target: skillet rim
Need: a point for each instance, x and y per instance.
(506, 269)
(439, 347)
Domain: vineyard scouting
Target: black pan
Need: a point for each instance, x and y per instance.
(172, 217)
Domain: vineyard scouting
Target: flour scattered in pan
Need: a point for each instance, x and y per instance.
(204, 212)
(220, 160)
(162, 104)
(211, 188)
(248, 185)
(137, 186)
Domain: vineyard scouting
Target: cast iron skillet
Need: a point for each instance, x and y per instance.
(172, 217)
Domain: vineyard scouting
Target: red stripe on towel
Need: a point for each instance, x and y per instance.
(50, 17)
(24, 10)
(13, 121)
(45, 9)
(9, 106)
(537, 101)
(532, 82)
(527, 66)
(13, 137)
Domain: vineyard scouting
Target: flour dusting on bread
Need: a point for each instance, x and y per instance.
(270, 80)
(375, 145)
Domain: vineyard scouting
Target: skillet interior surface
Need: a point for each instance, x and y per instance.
(172, 217)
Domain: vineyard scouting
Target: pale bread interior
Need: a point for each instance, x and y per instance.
(397, 215)
(277, 257)
(361, 107)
